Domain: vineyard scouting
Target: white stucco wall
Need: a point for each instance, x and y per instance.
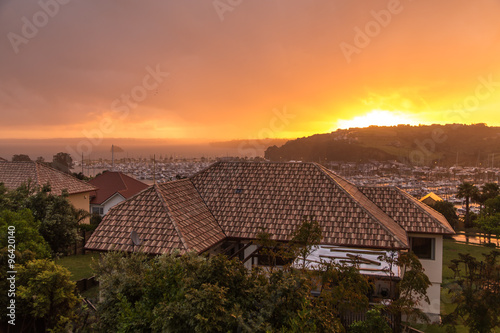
(434, 270)
(249, 251)
(114, 200)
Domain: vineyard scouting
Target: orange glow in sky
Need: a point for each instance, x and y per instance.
(378, 118)
(186, 70)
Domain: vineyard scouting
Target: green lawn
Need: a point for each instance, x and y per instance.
(451, 249)
(78, 265)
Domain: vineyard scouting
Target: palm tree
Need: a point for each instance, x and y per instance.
(468, 191)
(488, 191)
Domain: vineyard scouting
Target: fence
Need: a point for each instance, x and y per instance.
(85, 284)
(78, 247)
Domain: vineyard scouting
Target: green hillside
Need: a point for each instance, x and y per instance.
(473, 145)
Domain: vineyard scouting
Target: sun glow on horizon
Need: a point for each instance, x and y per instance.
(377, 118)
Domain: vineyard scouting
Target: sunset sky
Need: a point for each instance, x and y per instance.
(239, 69)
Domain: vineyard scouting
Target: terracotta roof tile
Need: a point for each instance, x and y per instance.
(166, 217)
(13, 174)
(411, 214)
(238, 200)
(246, 197)
(110, 183)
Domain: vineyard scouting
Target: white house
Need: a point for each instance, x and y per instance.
(113, 188)
(222, 209)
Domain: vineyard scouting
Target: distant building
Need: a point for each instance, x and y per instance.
(223, 208)
(113, 188)
(3, 159)
(431, 199)
(14, 174)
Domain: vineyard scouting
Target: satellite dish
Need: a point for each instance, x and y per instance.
(135, 238)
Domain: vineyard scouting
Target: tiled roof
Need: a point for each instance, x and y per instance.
(166, 217)
(248, 197)
(13, 174)
(411, 214)
(239, 200)
(110, 183)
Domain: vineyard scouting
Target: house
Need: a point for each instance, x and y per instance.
(112, 188)
(431, 199)
(14, 174)
(222, 209)
(425, 228)
(3, 159)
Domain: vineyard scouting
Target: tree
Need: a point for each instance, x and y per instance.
(488, 191)
(63, 162)
(492, 206)
(21, 158)
(56, 217)
(191, 293)
(343, 290)
(469, 192)
(305, 238)
(411, 288)
(28, 238)
(489, 224)
(80, 176)
(29, 245)
(375, 323)
(46, 296)
(476, 293)
(448, 210)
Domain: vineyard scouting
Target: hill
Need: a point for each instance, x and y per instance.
(444, 145)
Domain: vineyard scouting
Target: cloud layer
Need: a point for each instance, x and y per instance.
(227, 75)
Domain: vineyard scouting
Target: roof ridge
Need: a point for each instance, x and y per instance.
(205, 169)
(326, 173)
(169, 213)
(208, 208)
(123, 182)
(66, 175)
(423, 209)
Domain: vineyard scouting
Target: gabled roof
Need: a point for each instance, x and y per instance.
(2, 159)
(247, 198)
(413, 215)
(14, 174)
(110, 183)
(166, 217)
(430, 198)
(238, 200)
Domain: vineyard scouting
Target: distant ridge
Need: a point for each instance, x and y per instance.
(426, 145)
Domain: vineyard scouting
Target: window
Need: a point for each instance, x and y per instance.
(97, 210)
(424, 248)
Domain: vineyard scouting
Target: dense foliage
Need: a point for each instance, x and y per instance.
(42, 225)
(56, 218)
(190, 293)
(46, 296)
(476, 293)
(449, 212)
(469, 192)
